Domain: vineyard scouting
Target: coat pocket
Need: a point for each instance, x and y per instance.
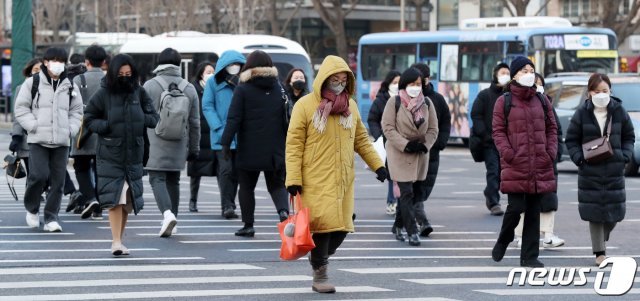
(111, 148)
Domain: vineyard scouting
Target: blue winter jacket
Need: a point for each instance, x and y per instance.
(217, 98)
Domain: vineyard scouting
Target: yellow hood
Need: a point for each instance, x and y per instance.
(331, 65)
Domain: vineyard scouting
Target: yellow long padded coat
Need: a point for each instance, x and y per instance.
(323, 164)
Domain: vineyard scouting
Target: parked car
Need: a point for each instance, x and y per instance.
(568, 92)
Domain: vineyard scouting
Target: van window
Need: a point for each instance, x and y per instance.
(571, 96)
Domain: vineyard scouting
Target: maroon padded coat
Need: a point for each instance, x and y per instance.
(527, 145)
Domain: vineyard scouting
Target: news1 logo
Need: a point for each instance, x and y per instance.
(621, 276)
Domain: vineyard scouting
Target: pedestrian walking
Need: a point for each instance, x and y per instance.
(324, 132)
(83, 145)
(216, 101)
(549, 202)
(601, 186)
(525, 134)
(444, 131)
(50, 119)
(295, 84)
(258, 117)
(410, 124)
(485, 149)
(118, 113)
(176, 138)
(388, 89)
(205, 164)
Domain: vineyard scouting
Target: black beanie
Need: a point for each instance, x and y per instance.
(495, 71)
(518, 63)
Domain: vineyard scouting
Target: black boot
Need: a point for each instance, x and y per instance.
(193, 205)
(425, 229)
(398, 233)
(531, 263)
(414, 240)
(246, 231)
(283, 215)
(498, 251)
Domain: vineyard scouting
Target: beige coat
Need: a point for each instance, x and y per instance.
(399, 129)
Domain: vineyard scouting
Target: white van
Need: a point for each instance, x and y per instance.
(286, 54)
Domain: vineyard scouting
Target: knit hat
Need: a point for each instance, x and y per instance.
(518, 63)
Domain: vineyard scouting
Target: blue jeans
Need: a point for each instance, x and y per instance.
(492, 164)
(390, 198)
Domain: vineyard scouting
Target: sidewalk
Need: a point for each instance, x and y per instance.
(5, 121)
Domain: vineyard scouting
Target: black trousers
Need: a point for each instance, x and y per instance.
(430, 182)
(51, 165)
(530, 205)
(326, 245)
(227, 180)
(248, 179)
(69, 187)
(85, 167)
(492, 164)
(410, 195)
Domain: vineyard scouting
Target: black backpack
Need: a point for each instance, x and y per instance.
(508, 105)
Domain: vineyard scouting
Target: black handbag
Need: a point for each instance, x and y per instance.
(15, 170)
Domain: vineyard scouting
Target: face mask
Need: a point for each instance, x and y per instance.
(337, 88)
(126, 83)
(298, 85)
(413, 91)
(233, 69)
(393, 89)
(503, 79)
(601, 100)
(527, 80)
(540, 89)
(206, 77)
(56, 68)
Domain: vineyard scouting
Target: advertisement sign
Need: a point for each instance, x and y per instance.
(586, 41)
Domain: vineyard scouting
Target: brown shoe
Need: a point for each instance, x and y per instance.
(496, 210)
(321, 281)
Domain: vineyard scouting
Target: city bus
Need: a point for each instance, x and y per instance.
(110, 41)
(462, 61)
(286, 54)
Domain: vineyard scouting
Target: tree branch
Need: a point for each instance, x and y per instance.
(506, 4)
(324, 14)
(542, 7)
(351, 8)
(286, 23)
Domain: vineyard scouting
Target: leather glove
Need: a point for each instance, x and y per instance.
(294, 189)
(232, 79)
(422, 148)
(16, 140)
(192, 157)
(381, 174)
(226, 152)
(412, 147)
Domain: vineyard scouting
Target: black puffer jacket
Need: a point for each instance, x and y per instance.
(482, 113)
(257, 116)
(601, 187)
(375, 113)
(120, 120)
(292, 96)
(444, 116)
(204, 165)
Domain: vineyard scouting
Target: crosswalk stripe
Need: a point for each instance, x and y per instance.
(396, 299)
(191, 293)
(485, 280)
(276, 233)
(346, 241)
(153, 281)
(232, 226)
(70, 250)
(411, 249)
(101, 259)
(463, 257)
(546, 291)
(127, 268)
(38, 234)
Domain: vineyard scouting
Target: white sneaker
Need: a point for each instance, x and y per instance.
(391, 208)
(168, 223)
(553, 242)
(33, 220)
(52, 227)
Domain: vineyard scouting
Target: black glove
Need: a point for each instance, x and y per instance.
(192, 157)
(16, 140)
(412, 147)
(422, 148)
(232, 79)
(226, 152)
(294, 189)
(381, 174)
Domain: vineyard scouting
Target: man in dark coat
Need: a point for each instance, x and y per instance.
(485, 149)
(444, 131)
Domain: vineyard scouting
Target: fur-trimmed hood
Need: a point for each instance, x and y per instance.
(252, 73)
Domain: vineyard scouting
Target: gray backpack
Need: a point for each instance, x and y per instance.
(173, 110)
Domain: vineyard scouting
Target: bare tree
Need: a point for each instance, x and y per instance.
(274, 21)
(419, 4)
(333, 16)
(216, 17)
(623, 25)
(519, 5)
(51, 16)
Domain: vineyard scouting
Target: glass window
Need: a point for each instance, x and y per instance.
(378, 60)
(478, 59)
(429, 56)
(627, 92)
(491, 8)
(571, 96)
(449, 65)
(447, 13)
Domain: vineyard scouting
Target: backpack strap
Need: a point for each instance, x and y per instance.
(507, 107)
(183, 85)
(83, 81)
(34, 86)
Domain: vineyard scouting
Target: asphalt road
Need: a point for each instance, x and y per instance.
(205, 261)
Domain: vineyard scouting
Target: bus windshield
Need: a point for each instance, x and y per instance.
(556, 53)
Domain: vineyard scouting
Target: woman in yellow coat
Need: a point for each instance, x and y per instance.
(324, 131)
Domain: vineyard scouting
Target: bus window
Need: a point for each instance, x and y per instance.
(449, 66)
(515, 47)
(429, 56)
(378, 60)
(574, 53)
(478, 59)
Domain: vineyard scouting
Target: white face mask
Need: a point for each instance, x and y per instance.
(540, 89)
(503, 79)
(206, 77)
(56, 68)
(233, 69)
(601, 100)
(527, 80)
(393, 89)
(414, 91)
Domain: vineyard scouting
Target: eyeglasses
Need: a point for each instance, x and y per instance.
(337, 82)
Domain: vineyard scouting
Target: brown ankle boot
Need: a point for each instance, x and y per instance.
(321, 281)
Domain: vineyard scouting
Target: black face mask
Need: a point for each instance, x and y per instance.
(298, 85)
(126, 83)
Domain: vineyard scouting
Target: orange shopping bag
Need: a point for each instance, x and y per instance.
(295, 233)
